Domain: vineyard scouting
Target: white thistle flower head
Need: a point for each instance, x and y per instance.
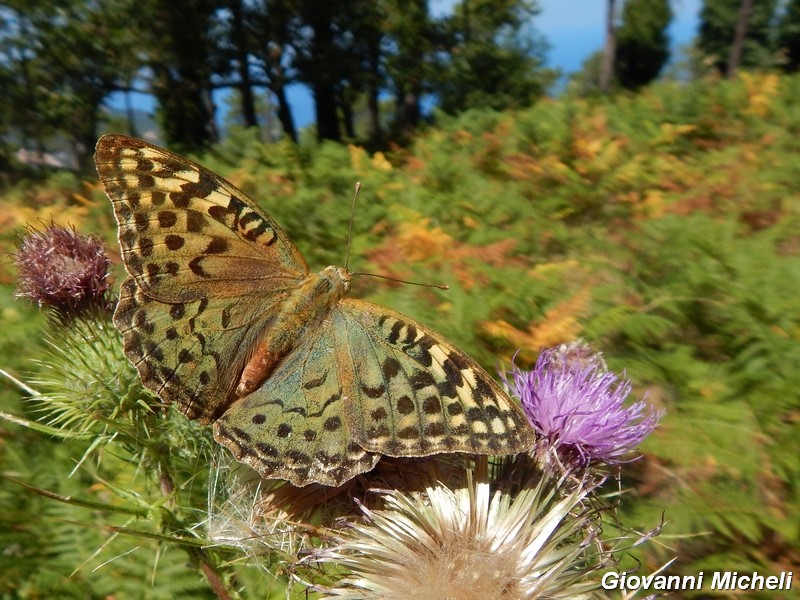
(474, 542)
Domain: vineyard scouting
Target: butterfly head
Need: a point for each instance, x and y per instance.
(340, 277)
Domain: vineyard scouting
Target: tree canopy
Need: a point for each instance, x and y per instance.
(61, 62)
(718, 24)
(371, 66)
(642, 42)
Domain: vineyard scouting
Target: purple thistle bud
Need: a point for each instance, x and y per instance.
(576, 406)
(61, 268)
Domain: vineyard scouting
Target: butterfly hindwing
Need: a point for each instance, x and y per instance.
(295, 426)
(367, 382)
(412, 393)
(189, 353)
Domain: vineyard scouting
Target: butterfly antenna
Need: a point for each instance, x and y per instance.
(438, 286)
(350, 227)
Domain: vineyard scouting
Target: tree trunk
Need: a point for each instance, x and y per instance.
(324, 75)
(131, 116)
(348, 118)
(82, 131)
(607, 68)
(33, 129)
(373, 115)
(373, 89)
(180, 58)
(184, 110)
(408, 104)
(285, 112)
(742, 24)
(211, 112)
(245, 84)
(325, 109)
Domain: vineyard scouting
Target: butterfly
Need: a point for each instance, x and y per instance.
(221, 315)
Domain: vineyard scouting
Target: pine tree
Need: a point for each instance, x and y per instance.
(789, 36)
(642, 42)
(492, 57)
(718, 22)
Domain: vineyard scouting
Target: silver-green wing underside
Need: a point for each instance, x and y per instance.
(367, 382)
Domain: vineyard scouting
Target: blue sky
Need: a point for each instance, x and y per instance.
(574, 29)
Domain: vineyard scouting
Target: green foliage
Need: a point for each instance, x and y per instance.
(124, 467)
(718, 19)
(60, 61)
(789, 36)
(494, 58)
(642, 42)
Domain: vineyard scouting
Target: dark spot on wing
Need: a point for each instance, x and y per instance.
(167, 218)
(405, 406)
(332, 424)
(217, 246)
(374, 392)
(431, 405)
(195, 221)
(174, 242)
(421, 380)
(196, 268)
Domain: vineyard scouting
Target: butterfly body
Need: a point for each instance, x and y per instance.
(303, 310)
(222, 316)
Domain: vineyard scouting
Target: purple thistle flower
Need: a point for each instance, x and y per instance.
(61, 268)
(576, 406)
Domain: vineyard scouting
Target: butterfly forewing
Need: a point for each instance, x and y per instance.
(207, 271)
(187, 234)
